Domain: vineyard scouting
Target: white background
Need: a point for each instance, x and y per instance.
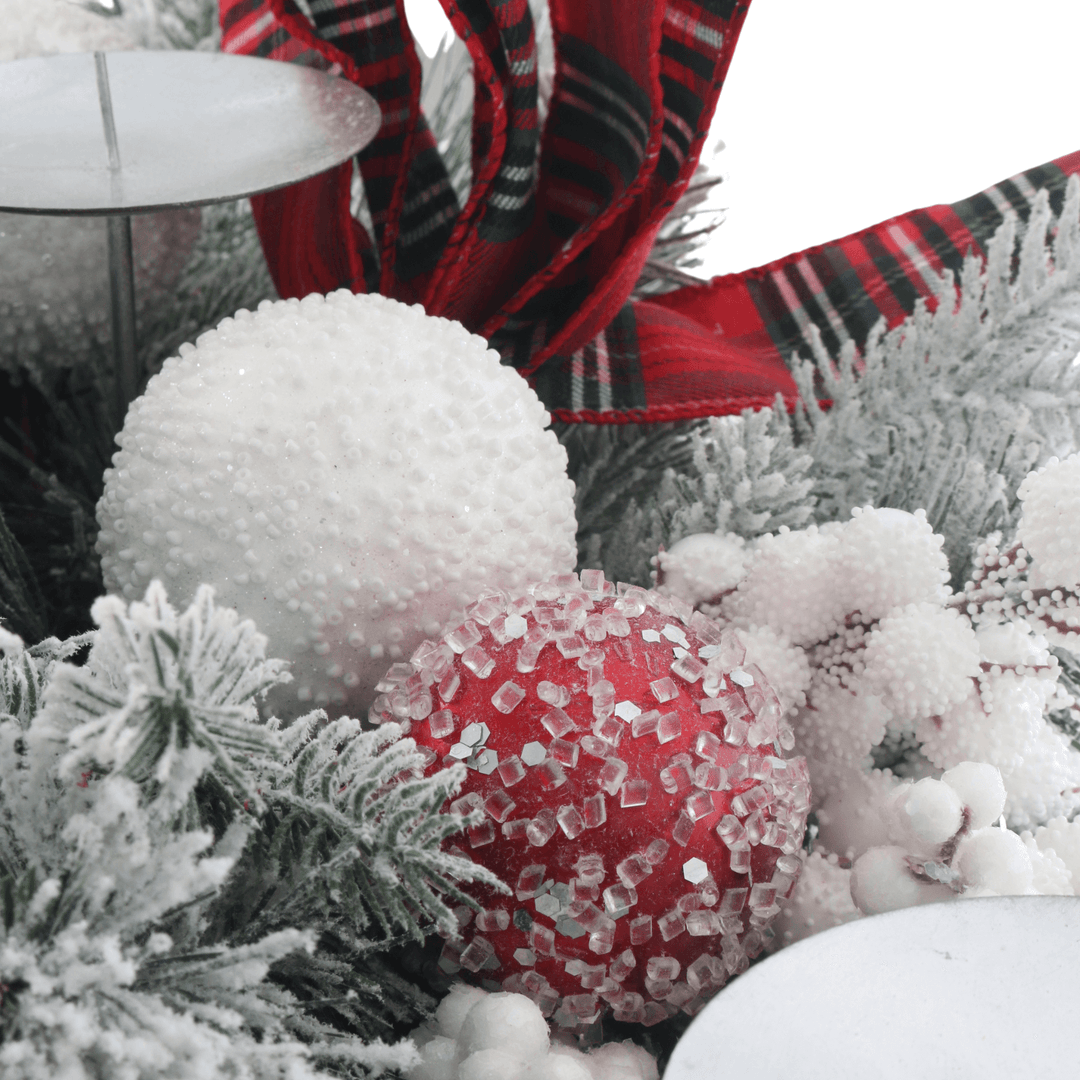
(840, 113)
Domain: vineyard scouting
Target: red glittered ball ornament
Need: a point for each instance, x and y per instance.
(628, 765)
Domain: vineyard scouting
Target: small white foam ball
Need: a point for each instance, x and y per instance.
(622, 1061)
(508, 1022)
(930, 812)
(493, 1065)
(453, 1008)
(921, 659)
(980, 788)
(438, 1060)
(994, 861)
(1050, 526)
(701, 567)
(346, 471)
(561, 1066)
(881, 881)
(784, 665)
(892, 559)
(793, 584)
(1063, 838)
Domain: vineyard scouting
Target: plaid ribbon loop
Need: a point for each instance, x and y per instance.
(544, 255)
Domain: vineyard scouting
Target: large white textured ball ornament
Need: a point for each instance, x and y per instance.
(348, 472)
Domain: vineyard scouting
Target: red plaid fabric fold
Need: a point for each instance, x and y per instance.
(543, 257)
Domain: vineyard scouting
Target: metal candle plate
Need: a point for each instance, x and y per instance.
(190, 128)
(974, 988)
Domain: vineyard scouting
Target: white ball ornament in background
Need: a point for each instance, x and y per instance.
(1048, 530)
(347, 471)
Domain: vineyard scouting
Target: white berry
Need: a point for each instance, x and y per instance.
(981, 790)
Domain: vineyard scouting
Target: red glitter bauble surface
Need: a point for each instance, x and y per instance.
(628, 766)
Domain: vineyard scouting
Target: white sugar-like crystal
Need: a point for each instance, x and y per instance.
(507, 697)
(634, 793)
(664, 689)
(612, 774)
(595, 811)
(511, 770)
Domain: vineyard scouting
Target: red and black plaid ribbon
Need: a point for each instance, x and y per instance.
(543, 256)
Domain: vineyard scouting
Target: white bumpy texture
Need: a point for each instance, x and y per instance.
(482, 1036)
(347, 471)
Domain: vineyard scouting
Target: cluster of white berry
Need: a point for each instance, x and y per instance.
(480, 1036)
(855, 626)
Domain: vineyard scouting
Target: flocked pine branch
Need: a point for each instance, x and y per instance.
(139, 797)
(947, 412)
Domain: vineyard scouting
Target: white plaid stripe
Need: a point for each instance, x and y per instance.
(916, 257)
(603, 371)
(406, 239)
(608, 93)
(705, 34)
(629, 135)
(794, 306)
(997, 197)
(357, 26)
(821, 297)
(577, 380)
(238, 43)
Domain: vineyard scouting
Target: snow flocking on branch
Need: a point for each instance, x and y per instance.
(135, 792)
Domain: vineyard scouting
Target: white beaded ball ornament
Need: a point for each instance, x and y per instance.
(347, 471)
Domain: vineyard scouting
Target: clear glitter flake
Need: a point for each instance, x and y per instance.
(515, 830)
(707, 652)
(709, 705)
(627, 710)
(507, 697)
(651, 635)
(472, 734)
(486, 762)
(570, 928)
(548, 905)
(461, 751)
(532, 753)
(695, 871)
(742, 678)
(682, 829)
(525, 957)
(664, 689)
(675, 634)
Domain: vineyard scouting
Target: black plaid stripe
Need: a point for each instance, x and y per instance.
(428, 213)
(368, 30)
(598, 106)
(541, 317)
(983, 213)
(603, 376)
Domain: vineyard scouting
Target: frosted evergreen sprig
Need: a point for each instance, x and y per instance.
(356, 835)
